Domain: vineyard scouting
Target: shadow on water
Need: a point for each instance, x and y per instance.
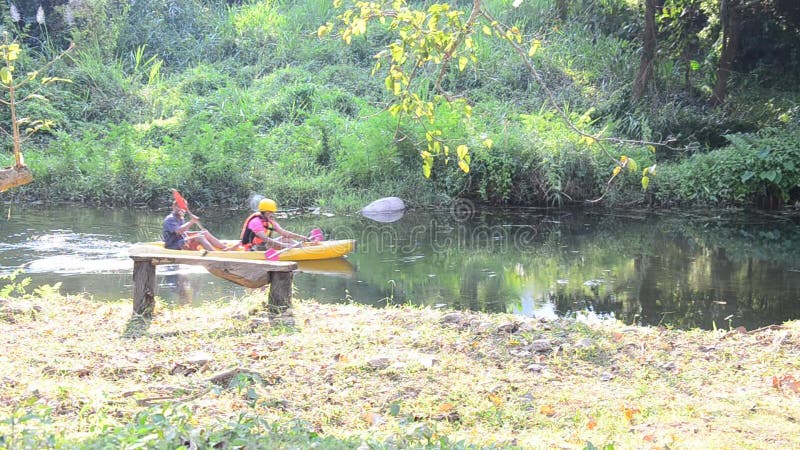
(676, 268)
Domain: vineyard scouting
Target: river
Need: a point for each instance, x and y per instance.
(676, 268)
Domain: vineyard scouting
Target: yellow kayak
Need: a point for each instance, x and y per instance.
(309, 251)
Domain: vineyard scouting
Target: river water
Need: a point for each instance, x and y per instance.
(683, 269)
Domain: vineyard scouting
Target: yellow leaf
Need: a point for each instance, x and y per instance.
(498, 402)
(322, 30)
(337, 3)
(623, 160)
(548, 410)
(425, 154)
(592, 424)
(616, 171)
(5, 75)
(651, 148)
(645, 182)
(462, 151)
(487, 31)
(463, 165)
(534, 47)
(462, 63)
(488, 143)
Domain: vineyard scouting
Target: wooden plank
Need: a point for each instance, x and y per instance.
(11, 177)
(138, 254)
(249, 277)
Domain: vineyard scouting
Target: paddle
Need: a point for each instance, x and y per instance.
(273, 255)
(181, 202)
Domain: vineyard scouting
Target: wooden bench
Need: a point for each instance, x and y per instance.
(248, 273)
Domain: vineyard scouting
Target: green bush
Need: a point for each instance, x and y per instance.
(752, 167)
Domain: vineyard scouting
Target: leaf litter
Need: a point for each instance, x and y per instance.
(351, 370)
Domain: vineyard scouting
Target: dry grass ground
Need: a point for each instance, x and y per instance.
(354, 371)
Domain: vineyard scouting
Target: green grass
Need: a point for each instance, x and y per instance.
(343, 376)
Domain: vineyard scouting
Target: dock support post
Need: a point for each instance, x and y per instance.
(144, 288)
(280, 292)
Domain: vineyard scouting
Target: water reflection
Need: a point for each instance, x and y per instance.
(676, 268)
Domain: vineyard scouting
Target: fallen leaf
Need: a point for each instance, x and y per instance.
(649, 438)
(592, 424)
(548, 410)
(630, 412)
(498, 402)
(617, 336)
(445, 407)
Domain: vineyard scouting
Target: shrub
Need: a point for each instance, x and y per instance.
(753, 166)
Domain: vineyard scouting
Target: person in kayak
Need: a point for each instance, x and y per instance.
(176, 234)
(260, 228)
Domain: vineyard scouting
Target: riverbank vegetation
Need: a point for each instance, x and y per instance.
(221, 100)
(349, 376)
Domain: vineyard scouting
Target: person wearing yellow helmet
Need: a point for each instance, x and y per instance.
(260, 229)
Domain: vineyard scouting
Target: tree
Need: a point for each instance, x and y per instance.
(19, 174)
(730, 16)
(438, 40)
(650, 41)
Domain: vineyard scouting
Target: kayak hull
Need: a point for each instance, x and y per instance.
(308, 252)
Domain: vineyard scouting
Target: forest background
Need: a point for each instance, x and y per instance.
(225, 99)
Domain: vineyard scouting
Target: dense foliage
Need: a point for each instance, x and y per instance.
(221, 100)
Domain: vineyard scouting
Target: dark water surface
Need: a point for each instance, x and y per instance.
(678, 268)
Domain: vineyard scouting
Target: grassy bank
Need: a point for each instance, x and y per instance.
(241, 97)
(348, 376)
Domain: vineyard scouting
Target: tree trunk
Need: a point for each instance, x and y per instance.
(650, 41)
(731, 18)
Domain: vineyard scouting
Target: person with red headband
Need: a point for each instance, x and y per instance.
(176, 234)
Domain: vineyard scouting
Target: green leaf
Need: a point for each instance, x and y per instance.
(770, 175)
(694, 65)
(645, 182)
(747, 175)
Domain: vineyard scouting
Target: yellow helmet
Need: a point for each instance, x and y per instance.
(267, 205)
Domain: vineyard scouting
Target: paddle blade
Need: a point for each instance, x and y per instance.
(271, 254)
(179, 200)
(316, 235)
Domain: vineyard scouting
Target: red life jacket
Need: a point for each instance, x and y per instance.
(248, 237)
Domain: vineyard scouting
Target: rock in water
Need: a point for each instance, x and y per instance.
(387, 209)
(385, 205)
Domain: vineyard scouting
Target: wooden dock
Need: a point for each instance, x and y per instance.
(247, 273)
